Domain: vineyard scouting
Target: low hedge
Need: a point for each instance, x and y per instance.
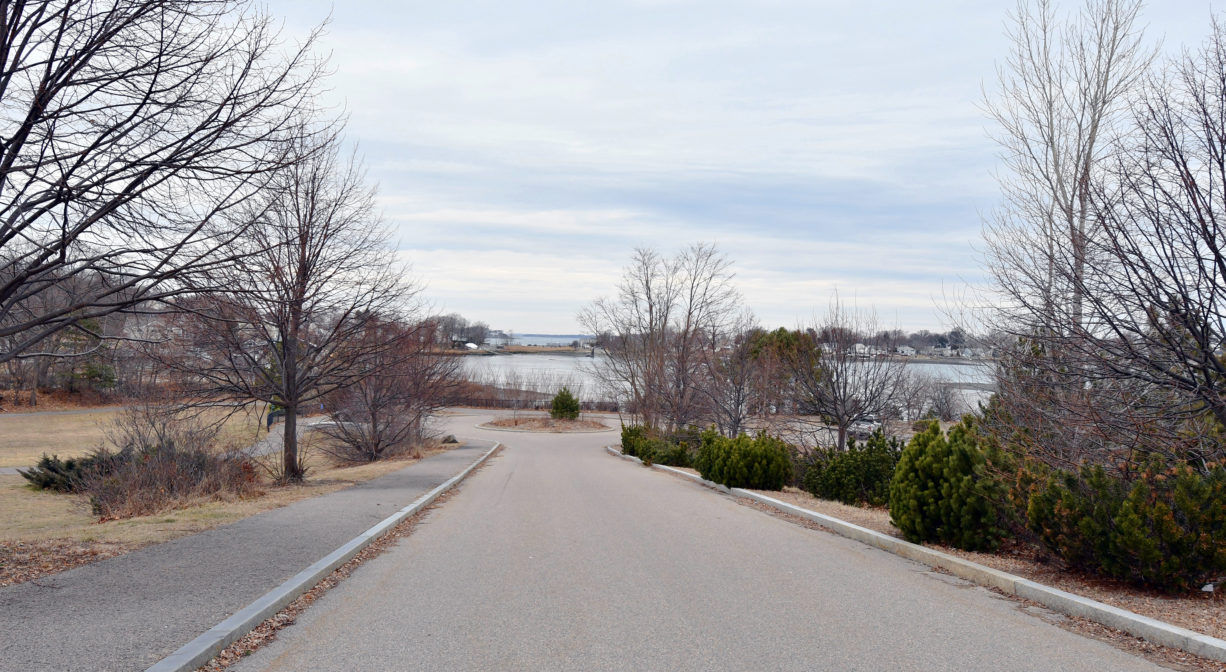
(1165, 527)
(759, 463)
(859, 475)
(672, 450)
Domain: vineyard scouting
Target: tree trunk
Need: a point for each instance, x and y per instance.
(292, 470)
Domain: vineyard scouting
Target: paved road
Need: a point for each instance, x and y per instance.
(128, 612)
(557, 556)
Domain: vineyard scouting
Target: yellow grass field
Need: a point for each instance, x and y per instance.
(25, 437)
(33, 515)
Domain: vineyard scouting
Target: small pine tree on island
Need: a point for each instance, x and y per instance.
(565, 406)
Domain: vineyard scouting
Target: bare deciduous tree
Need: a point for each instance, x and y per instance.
(729, 384)
(1133, 367)
(387, 411)
(130, 130)
(1062, 90)
(316, 278)
(657, 331)
(839, 375)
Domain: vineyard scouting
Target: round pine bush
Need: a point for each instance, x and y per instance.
(1165, 528)
(941, 491)
(758, 463)
(859, 475)
(633, 439)
(565, 406)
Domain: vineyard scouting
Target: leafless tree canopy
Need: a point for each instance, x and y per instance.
(839, 375)
(1062, 91)
(130, 131)
(658, 330)
(1119, 329)
(314, 276)
(387, 411)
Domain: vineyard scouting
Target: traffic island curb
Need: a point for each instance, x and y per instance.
(1150, 629)
(203, 648)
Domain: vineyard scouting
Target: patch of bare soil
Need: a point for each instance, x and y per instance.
(28, 560)
(1198, 611)
(547, 424)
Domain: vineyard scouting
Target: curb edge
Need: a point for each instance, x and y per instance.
(1150, 629)
(203, 648)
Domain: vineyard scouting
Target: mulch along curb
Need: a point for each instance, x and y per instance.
(1147, 628)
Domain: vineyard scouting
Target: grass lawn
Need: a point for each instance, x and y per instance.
(25, 437)
(32, 515)
(45, 532)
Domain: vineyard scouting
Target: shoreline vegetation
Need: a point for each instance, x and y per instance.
(586, 352)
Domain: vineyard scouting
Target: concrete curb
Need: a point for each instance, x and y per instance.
(202, 649)
(1147, 628)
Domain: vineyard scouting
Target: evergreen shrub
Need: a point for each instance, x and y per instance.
(53, 473)
(1165, 528)
(640, 442)
(565, 406)
(859, 475)
(759, 463)
(941, 490)
(633, 439)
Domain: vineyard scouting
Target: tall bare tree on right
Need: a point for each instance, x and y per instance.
(1062, 100)
(1062, 93)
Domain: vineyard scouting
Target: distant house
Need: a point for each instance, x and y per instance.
(906, 351)
(861, 350)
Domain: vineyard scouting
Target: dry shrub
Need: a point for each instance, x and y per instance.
(159, 458)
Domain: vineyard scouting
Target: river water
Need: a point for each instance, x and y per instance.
(549, 372)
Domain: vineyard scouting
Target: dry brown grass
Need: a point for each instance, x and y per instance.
(536, 423)
(25, 437)
(45, 532)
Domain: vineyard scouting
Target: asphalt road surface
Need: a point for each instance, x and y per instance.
(557, 556)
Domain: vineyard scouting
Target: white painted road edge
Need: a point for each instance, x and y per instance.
(202, 649)
(1147, 628)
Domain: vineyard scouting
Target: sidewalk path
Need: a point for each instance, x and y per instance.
(128, 612)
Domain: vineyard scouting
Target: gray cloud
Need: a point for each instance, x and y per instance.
(524, 149)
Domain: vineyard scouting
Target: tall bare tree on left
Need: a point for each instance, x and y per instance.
(313, 275)
(130, 132)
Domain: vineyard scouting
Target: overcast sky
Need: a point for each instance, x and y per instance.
(522, 150)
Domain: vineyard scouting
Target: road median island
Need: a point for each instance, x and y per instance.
(1057, 600)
